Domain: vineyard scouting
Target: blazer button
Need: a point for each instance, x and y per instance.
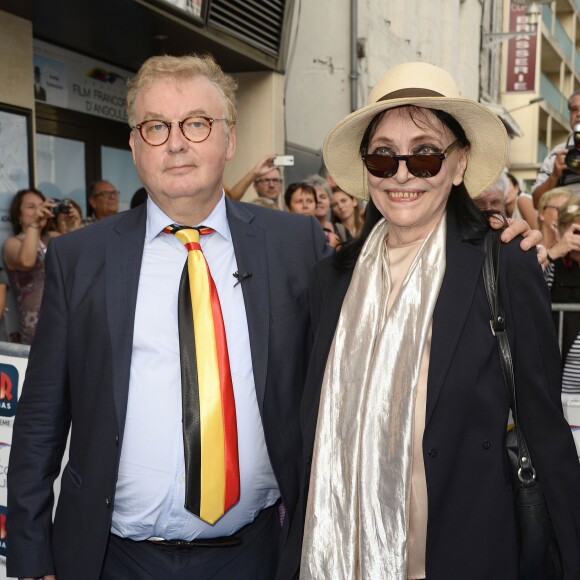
(486, 444)
(108, 501)
(117, 440)
(432, 452)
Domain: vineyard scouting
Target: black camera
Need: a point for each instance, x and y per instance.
(61, 206)
(573, 155)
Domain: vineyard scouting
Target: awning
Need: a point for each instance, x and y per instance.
(511, 125)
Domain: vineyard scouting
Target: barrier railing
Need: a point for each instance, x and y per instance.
(561, 309)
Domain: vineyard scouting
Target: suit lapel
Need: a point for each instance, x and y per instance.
(124, 253)
(462, 271)
(250, 249)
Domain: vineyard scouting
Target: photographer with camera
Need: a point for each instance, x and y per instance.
(555, 170)
(67, 216)
(24, 252)
(266, 177)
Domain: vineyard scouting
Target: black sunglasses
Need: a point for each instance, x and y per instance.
(420, 165)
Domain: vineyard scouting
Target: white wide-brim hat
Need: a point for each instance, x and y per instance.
(422, 85)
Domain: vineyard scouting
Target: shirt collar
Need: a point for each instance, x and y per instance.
(157, 220)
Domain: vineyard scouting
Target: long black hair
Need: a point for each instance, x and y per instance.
(472, 221)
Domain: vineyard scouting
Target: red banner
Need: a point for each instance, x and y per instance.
(521, 58)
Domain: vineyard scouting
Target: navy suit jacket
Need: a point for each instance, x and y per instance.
(471, 527)
(78, 377)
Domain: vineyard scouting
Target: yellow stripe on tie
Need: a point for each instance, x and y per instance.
(210, 404)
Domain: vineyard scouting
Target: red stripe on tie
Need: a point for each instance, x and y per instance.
(232, 472)
(192, 246)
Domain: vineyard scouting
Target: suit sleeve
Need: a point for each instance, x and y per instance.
(40, 433)
(537, 369)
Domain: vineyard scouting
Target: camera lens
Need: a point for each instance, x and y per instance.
(62, 206)
(573, 159)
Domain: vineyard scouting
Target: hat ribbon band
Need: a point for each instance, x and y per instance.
(410, 93)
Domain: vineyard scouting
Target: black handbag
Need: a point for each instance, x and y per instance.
(539, 557)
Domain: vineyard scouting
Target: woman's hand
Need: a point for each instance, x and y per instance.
(68, 222)
(543, 257)
(42, 214)
(518, 227)
(567, 242)
(331, 238)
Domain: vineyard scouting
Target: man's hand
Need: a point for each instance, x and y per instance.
(559, 164)
(265, 165)
(553, 178)
(520, 227)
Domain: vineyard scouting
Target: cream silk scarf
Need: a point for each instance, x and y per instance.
(358, 507)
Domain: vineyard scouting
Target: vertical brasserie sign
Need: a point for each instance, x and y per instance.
(521, 57)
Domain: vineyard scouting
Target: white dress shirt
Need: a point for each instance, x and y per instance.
(150, 491)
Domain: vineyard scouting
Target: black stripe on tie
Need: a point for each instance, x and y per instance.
(189, 397)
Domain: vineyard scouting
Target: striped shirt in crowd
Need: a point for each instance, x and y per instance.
(571, 371)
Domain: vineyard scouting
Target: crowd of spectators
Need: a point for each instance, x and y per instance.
(557, 203)
(547, 207)
(35, 219)
(340, 214)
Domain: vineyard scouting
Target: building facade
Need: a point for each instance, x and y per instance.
(65, 67)
(340, 48)
(301, 65)
(551, 70)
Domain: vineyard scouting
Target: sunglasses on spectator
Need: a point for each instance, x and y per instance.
(420, 165)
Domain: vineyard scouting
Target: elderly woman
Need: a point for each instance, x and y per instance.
(557, 243)
(405, 393)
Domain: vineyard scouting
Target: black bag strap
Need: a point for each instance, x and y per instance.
(492, 246)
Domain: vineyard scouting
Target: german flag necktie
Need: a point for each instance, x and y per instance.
(210, 437)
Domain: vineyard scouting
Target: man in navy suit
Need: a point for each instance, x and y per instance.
(105, 362)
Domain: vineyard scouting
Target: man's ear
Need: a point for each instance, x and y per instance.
(132, 144)
(231, 149)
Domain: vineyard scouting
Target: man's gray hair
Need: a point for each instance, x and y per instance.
(501, 184)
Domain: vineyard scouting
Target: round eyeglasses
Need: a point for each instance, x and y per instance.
(268, 180)
(195, 129)
(419, 165)
(109, 194)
